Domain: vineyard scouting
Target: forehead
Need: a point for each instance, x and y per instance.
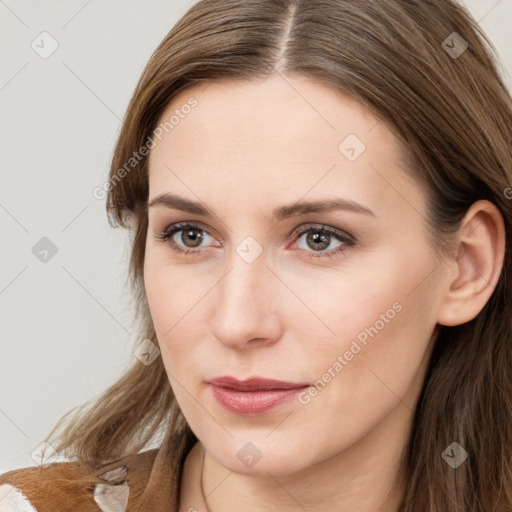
(279, 138)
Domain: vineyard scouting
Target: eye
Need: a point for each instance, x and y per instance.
(191, 236)
(187, 237)
(319, 238)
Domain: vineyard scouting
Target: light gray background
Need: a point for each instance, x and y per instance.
(66, 325)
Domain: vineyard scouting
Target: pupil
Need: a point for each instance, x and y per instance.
(194, 237)
(319, 238)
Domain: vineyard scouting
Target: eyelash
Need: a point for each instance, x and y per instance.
(348, 241)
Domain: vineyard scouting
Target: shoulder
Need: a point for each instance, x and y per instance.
(69, 486)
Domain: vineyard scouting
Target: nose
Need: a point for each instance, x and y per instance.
(247, 314)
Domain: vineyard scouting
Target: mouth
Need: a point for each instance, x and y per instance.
(254, 396)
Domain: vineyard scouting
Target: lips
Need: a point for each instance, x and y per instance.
(253, 396)
(255, 384)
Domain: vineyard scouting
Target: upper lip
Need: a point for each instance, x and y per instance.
(255, 383)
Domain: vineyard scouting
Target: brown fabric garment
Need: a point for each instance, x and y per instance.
(151, 480)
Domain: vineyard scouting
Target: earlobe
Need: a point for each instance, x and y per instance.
(477, 265)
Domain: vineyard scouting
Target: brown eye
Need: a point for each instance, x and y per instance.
(184, 237)
(318, 241)
(191, 237)
(320, 238)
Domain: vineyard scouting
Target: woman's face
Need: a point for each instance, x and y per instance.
(262, 292)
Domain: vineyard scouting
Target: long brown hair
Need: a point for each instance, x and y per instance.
(407, 61)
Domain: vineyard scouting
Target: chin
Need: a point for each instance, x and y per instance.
(259, 455)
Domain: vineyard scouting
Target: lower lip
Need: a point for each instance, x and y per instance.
(251, 403)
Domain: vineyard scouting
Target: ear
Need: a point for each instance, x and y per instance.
(479, 255)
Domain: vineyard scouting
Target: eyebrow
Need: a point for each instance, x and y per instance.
(176, 202)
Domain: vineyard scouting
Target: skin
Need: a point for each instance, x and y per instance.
(245, 149)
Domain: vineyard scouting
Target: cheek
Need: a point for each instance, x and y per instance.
(360, 327)
(382, 336)
(170, 318)
(176, 302)
(168, 291)
(379, 314)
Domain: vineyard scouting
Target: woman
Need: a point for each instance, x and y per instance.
(319, 197)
